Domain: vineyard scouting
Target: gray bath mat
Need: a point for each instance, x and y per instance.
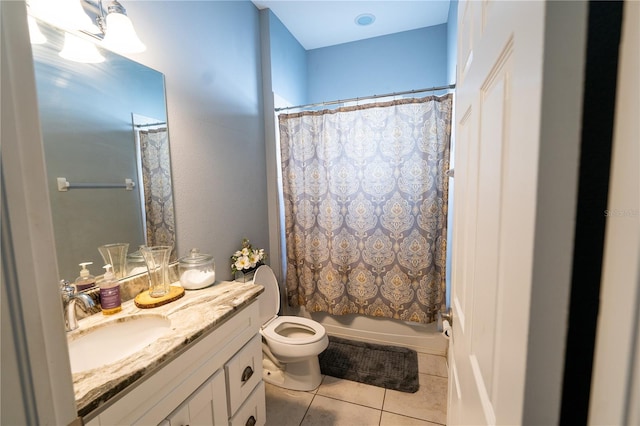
(388, 367)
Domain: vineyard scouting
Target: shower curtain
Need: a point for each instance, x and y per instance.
(158, 196)
(365, 203)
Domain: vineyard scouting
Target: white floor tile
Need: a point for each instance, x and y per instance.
(391, 419)
(357, 393)
(428, 403)
(327, 411)
(432, 364)
(340, 402)
(286, 407)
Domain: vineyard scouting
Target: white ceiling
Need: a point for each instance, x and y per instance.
(326, 23)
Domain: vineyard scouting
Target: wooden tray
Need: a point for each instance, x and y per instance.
(145, 301)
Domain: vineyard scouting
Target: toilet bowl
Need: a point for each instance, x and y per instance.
(290, 344)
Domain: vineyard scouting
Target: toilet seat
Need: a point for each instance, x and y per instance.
(272, 330)
(273, 325)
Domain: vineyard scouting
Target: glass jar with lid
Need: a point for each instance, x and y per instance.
(197, 270)
(135, 263)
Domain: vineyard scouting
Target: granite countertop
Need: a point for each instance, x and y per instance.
(192, 316)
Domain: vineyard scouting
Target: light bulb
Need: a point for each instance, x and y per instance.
(80, 50)
(35, 34)
(121, 36)
(67, 14)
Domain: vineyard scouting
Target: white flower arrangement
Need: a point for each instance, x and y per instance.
(247, 258)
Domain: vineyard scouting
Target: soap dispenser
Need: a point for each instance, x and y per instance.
(85, 280)
(110, 300)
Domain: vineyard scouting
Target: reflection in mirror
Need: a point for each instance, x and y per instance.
(154, 171)
(96, 123)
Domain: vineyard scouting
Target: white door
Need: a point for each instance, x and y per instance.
(497, 119)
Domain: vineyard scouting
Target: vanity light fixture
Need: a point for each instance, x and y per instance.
(114, 28)
(80, 50)
(119, 34)
(67, 14)
(365, 19)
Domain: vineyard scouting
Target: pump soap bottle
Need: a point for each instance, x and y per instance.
(85, 280)
(109, 292)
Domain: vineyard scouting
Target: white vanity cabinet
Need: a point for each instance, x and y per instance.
(216, 381)
(205, 407)
(253, 411)
(243, 372)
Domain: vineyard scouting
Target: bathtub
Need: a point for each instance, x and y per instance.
(385, 331)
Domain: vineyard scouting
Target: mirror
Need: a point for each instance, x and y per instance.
(103, 123)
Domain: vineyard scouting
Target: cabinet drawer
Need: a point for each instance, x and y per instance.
(253, 411)
(243, 372)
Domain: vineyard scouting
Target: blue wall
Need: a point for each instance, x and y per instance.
(288, 63)
(403, 61)
(212, 62)
(452, 57)
(452, 41)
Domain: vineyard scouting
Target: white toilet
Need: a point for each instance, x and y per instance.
(290, 345)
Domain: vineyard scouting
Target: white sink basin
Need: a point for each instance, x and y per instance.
(107, 343)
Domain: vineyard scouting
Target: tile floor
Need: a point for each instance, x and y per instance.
(343, 402)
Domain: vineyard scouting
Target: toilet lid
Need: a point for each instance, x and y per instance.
(269, 300)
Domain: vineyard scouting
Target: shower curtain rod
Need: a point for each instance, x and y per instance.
(151, 124)
(407, 92)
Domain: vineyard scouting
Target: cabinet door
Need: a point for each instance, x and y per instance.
(206, 406)
(209, 407)
(180, 417)
(244, 372)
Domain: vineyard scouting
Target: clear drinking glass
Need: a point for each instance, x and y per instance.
(116, 256)
(157, 260)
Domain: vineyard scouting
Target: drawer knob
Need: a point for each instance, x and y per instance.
(251, 421)
(246, 375)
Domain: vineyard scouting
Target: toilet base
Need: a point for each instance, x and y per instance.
(302, 376)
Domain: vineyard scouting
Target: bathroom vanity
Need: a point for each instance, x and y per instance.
(205, 369)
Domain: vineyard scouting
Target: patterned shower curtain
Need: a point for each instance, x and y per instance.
(158, 195)
(365, 200)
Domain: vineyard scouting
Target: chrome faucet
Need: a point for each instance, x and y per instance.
(69, 297)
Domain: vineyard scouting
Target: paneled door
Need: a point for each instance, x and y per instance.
(500, 53)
